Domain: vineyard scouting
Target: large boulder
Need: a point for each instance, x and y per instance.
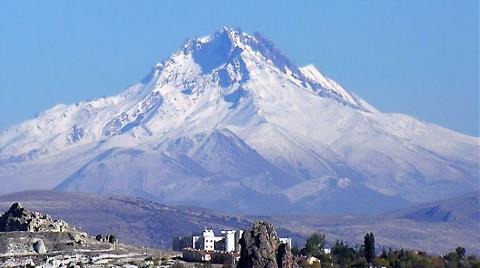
(261, 248)
(39, 247)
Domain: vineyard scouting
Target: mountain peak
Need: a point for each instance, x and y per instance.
(231, 55)
(212, 51)
(293, 129)
(233, 35)
(229, 43)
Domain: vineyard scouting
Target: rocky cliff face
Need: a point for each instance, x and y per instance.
(261, 248)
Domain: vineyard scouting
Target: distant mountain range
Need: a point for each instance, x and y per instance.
(436, 227)
(463, 210)
(230, 123)
(140, 222)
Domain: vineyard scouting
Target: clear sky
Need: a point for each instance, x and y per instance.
(415, 57)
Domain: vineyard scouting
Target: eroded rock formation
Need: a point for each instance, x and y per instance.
(261, 248)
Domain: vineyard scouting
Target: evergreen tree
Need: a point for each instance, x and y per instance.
(384, 253)
(461, 252)
(369, 245)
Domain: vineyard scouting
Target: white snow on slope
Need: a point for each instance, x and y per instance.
(230, 111)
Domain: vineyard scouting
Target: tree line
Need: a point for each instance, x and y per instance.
(344, 255)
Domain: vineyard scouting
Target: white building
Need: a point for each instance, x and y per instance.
(228, 241)
(208, 240)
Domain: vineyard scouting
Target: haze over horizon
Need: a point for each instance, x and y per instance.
(402, 60)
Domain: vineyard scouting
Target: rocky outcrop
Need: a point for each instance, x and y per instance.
(261, 248)
(33, 239)
(112, 239)
(17, 219)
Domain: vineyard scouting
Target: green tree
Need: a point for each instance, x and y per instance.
(369, 245)
(343, 254)
(461, 252)
(314, 244)
(384, 253)
(360, 263)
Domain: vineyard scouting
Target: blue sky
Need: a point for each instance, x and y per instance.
(414, 57)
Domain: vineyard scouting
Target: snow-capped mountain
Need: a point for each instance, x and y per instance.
(228, 122)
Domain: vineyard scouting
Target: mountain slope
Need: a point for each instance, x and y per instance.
(228, 119)
(186, 171)
(135, 221)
